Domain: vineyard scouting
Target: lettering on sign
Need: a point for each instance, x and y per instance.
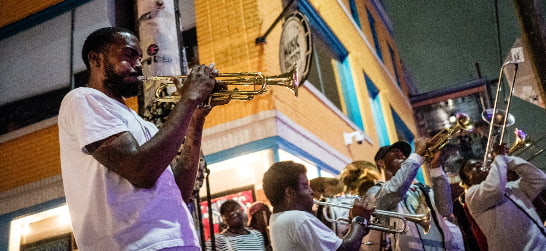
(295, 45)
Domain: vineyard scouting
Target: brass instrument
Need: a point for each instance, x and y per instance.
(421, 219)
(463, 123)
(240, 85)
(520, 142)
(498, 119)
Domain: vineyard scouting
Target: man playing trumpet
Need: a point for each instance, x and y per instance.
(398, 194)
(293, 225)
(120, 189)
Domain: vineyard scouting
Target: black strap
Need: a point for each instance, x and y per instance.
(523, 210)
(425, 190)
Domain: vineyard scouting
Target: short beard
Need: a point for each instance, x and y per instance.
(117, 85)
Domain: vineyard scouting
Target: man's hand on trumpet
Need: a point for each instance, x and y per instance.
(421, 145)
(436, 160)
(360, 216)
(212, 102)
(202, 77)
(199, 84)
(430, 150)
(359, 209)
(432, 156)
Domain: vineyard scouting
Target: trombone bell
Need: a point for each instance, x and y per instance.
(498, 117)
(240, 85)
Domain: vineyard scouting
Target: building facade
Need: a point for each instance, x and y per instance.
(353, 99)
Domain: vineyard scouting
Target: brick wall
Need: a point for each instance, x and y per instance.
(29, 158)
(14, 10)
(227, 30)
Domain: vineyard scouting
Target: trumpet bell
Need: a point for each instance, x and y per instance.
(464, 122)
(498, 117)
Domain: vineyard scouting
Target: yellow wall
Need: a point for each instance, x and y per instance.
(226, 32)
(33, 157)
(15, 10)
(29, 158)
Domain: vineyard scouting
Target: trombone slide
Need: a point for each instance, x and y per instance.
(494, 116)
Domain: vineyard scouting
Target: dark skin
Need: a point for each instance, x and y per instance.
(474, 172)
(394, 158)
(302, 199)
(142, 165)
(233, 217)
(473, 168)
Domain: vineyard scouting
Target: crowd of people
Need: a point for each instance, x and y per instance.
(125, 192)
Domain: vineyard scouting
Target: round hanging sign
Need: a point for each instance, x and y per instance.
(296, 45)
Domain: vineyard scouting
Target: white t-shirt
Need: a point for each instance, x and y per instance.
(299, 230)
(107, 211)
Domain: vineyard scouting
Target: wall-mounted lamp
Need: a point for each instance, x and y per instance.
(357, 135)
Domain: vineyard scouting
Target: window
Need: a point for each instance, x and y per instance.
(395, 69)
(402, 130)
(371, 20)
(354, 12)
(47, 230)
(379, 120)
(350, 98)
(321, 73)
(21, 113)
(329, 59)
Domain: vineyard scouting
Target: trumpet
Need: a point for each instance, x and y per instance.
(463, 123)
(240, 85)
(421, 219)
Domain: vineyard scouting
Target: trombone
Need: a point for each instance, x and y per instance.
(421, 219)
(240, 85)
(499, 119)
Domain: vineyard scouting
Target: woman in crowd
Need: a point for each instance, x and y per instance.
(236, 236)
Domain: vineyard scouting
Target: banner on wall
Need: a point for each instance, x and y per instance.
(161, 56)
(158, 37)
